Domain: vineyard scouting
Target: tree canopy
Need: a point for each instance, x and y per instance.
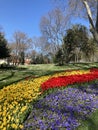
(86, 8)
(76, 44)
(4, 50)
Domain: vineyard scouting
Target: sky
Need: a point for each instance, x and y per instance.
(22, 15)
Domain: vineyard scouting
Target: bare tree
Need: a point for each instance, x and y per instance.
(53, 28)
(38, 43)
(86, 8)
(20, 44)
(41, 45)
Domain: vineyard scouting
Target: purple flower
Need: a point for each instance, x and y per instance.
(63, 108)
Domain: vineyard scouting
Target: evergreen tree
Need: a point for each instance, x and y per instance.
(59, 57)
(74, 42)
(4, 51)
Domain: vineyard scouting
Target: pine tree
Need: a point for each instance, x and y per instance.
(4, 50)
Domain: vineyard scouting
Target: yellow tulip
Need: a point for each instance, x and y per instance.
(14, 126)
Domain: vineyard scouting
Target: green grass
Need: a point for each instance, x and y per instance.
(12, 75)
(44, 69)
(91, 123)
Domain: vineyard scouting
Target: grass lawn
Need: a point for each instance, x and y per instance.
(42, 103)
(8, 76)
(11, 76)
(91, 123)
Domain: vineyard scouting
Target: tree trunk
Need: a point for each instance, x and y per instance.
(93, 29)
(97, 18)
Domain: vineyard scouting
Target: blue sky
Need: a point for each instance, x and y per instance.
(22, 15)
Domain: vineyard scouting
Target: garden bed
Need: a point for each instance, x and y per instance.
(29, 105)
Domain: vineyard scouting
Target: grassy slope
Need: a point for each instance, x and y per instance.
(13, 75)
(10, 76)
(91, 123)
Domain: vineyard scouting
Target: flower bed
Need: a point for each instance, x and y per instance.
(70, 79)
(15, 99)
(63, 109)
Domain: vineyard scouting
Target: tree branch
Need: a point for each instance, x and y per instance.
(97, 18)
(89, 14)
